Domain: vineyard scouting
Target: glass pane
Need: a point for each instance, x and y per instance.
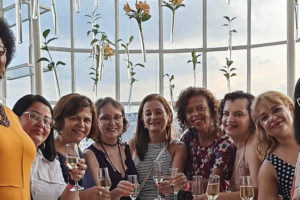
(268, 21)
(187, 26)
(16, 89)
(147, 78)
(217, 34)
(63, 74)
(217, 82)
(177, 65)
(84, 83)
(268, 69)
(129, 27)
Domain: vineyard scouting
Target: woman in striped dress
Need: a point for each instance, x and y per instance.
(153, 132)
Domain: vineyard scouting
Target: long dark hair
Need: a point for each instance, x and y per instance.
(141, 137)
(23, 104)
(8, 40)
(297, 111)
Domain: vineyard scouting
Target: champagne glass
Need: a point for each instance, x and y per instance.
(197, 186)
(213, 187)
(173, 172)
(72, 161)
(158, 175)
(104, 179)
(246, 188)
(134, 180)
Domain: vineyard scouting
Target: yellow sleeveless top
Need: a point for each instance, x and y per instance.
(17, 152)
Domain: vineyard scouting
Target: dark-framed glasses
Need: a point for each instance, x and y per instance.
(118, 119)
(2, 51)
(36, 118)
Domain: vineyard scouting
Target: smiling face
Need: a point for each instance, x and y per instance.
(77, 126)
(276, 119)
(110, 123)
(2, 60)
(236, 119)
(37, 131)
(155, 117)
(197, 114)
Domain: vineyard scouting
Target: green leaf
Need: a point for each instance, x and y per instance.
(227, 18)
(50, 66)
(232, 69)
(189, 61)
(46, 33)
(60, 63)
(94, 41)
(234, 31)
(139, 64)
(145, 18)
(50, 40)
(45, 48)
(131, 39)
(233, 18)
(42, 59)
(172, 77)
(234, 74)
(223, 70)
(227, 76)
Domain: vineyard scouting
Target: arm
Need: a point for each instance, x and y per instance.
(267, 182)
(92, 164)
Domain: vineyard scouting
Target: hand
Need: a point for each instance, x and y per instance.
(93, 193)
(165, 187)
(77, 174)
(123, 189)
(180, 181)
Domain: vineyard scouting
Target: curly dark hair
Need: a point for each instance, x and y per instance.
(231, 96)
(182, 103)
(8, 39)
(297, 111)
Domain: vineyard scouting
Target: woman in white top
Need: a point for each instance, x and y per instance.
(47, 182)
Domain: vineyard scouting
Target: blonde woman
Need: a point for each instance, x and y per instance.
(272, 113)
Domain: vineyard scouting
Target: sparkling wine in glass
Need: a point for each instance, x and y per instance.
(72, 161)
(104, 179)
(246, 188)
(173, 172)
(213, 187)
(197, 186)
(158, 175)
(134, 180)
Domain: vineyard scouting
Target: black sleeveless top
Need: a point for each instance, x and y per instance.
(114, 175)
(285, 173)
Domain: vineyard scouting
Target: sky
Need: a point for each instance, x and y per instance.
(268, 69)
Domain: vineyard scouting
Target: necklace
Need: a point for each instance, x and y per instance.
(111, 145)
(110, 162)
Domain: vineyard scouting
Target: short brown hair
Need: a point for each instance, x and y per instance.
(69, 105)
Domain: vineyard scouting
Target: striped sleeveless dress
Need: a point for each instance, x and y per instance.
(149, 192)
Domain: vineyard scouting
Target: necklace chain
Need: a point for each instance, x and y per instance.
(111, 163)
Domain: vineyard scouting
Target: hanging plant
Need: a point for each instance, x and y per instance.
(130, 68)
(171, 88)
(141, 14)
(52, 65)
(173, 5)
(101, 50)
(194, 61)
(296, 18)
(230, 31)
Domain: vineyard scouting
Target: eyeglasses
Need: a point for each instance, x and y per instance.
(118, 119)
(36, 118)
(2, 51)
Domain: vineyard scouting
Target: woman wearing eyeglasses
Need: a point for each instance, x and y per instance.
(16, 147)
(108, 150)
(75, 118)
(46, 181)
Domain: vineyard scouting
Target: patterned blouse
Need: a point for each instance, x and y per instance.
(201, 160)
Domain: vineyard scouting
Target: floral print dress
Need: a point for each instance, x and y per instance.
(201, 160)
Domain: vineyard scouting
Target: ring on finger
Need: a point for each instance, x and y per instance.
(99, 193)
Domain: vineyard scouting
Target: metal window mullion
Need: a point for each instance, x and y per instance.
(290, 49)
(117, 54)
(249, 46)
(161, 47)
(204, 52)
(73, 71)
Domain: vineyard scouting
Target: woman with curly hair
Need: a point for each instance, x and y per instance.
(209, 150)
(272, 113)
(17, 149)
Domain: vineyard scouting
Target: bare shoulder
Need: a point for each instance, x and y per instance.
(177, 146)
(267, 173)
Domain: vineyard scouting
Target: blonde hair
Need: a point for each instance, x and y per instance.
(267, 143)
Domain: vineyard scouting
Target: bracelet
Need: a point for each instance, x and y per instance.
(187, 187)
(69, 186)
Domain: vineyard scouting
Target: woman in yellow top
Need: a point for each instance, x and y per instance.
(16, 147)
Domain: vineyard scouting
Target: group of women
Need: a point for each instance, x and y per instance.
(240, 136)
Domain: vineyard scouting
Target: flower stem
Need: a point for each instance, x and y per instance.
(172, 27)
(56, 83)
(129, 98)
(142, 41)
